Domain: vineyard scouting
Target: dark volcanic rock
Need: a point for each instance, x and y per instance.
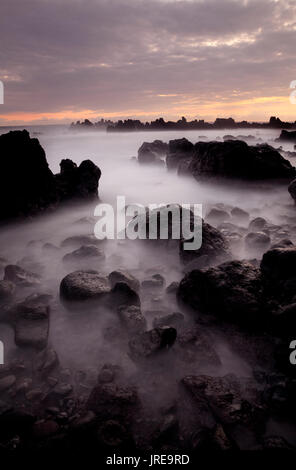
(85, 253)
(27, 184)
(35, 306)
(175, 319)
(150, 152)
(224, 398)
(16, 422)
(257, 224)
(79, 240)
(214, 248)
(84, 285)
(236, 159)
(123, 294)
(46, 361)
(179, 150)
(279, 263)
(172, 288)
(156, 281)
(196, 347)
(278, 267)
(31, 333)
(110, 400)
(132, 318)
(147, 344)
(20, 276)
(124, 276)
(7, 382)
(292, 189)
(231, 291)
(7, 289)
(284, 320)
(257, 240)
(32, 321)
(287, 136)
(217, 216)
(239, 215)
(78, 182)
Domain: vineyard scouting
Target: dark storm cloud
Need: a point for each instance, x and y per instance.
(115, 55)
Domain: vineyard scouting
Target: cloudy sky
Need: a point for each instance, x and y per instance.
(63, 60)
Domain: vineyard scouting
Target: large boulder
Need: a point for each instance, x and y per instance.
(171, 219)
(148, 343)
(32, 333)
(20, 276)
(124, 276)
(87, 254)
(84, 285)
(78, 182)
(230, 291)
(278, 267)
(257, 241)
(279, 263)
(123, 295)
(180, 150)
(132, 318)
(31, 321)
(236, 159)
(150, 152)
(292, 190)
(287, 136)
(214, 248)
(27, 184)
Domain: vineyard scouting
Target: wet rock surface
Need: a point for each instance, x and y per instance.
(231, 290)
(84, 285)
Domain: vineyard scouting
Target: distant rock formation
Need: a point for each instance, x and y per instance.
(133, 125)
(236, 159)
(229, 159)
(287, 136)
(27, 185)
(150, 152)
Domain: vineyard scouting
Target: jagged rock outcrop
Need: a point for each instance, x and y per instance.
(28, 186)
(236, 159)
(150, 152)
(78, 182)
(229, 159)
(287, 136)
(278, 267)
(179, 150)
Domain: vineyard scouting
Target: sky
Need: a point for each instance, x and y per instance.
(64, 60)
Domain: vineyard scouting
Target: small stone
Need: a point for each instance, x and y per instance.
(7, 382)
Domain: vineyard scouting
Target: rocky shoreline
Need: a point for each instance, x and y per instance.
(165, 387)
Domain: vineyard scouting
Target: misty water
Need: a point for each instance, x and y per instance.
(86, 339)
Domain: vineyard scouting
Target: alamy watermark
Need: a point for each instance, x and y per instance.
(1, 353)
(292, 357)
(157, 221)
(1, 92)
(293, 93)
